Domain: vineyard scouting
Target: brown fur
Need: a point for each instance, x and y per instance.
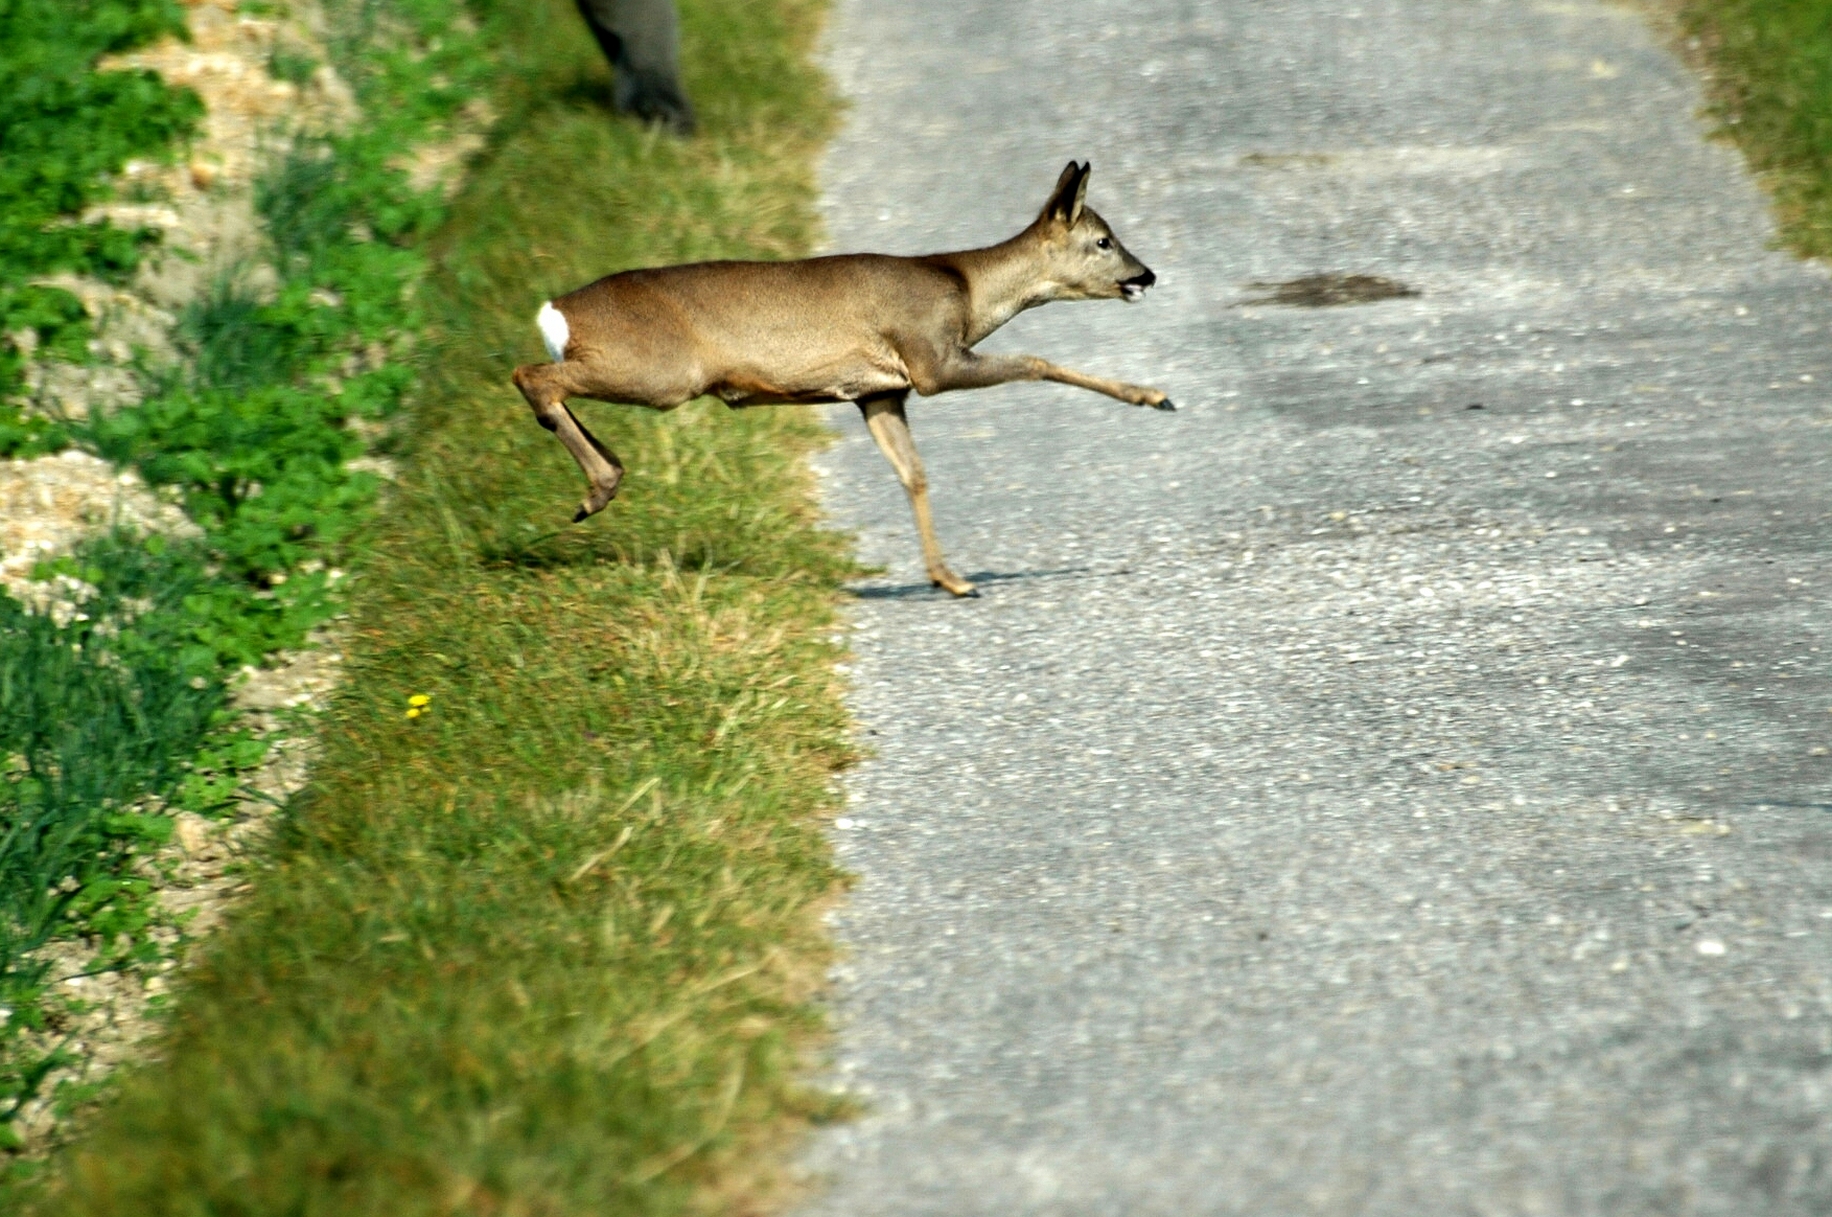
(864, 328)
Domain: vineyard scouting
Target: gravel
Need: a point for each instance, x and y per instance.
(1398, 783)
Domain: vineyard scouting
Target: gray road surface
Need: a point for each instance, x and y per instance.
(1397, 784)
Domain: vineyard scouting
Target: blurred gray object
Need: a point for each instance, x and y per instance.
(642, 39)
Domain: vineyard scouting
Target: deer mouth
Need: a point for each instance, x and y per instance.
(1133, 289)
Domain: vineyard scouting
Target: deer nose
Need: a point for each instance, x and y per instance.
(1144, 279)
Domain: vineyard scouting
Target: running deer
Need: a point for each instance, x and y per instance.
(864, 328)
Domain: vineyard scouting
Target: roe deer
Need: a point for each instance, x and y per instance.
(864, 328)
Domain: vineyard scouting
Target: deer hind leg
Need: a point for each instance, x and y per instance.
(885, 418)
(547, 386)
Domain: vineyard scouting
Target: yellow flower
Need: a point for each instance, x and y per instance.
(416, 712)
(419, 701)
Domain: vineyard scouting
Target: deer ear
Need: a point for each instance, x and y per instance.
(1065, 201)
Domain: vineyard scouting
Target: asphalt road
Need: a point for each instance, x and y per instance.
(1396, 784)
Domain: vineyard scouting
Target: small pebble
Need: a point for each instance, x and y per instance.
(192, 831)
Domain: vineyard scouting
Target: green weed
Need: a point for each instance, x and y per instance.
(255, 429)
(67, 128)
(291, 66)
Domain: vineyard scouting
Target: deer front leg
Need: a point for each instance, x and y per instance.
(969, 370)
(885, 419)
(1137, 395)
(545, 387)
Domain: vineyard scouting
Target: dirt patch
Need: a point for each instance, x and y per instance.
(1329, 290)
(49, 504)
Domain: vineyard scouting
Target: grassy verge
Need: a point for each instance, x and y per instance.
(102, 699)
(546, 945)
(1771, 65)
(98, 703)
(113, 702)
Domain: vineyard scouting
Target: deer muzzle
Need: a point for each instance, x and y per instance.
(1134, 288)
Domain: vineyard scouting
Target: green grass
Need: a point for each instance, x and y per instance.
(1771, 64)
(66, 129)
(99, 704)
(548, 947)
(254, 429)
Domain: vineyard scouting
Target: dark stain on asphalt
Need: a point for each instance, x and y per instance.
(1327, 290)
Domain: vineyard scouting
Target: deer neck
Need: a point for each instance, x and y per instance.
(1002, 281)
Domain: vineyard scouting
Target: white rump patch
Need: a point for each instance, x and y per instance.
(554, 330)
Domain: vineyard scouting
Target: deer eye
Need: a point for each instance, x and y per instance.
(1104, 243)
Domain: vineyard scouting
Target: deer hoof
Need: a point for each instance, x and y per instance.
(954, 585)
(595, 502)
(1167, 405)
